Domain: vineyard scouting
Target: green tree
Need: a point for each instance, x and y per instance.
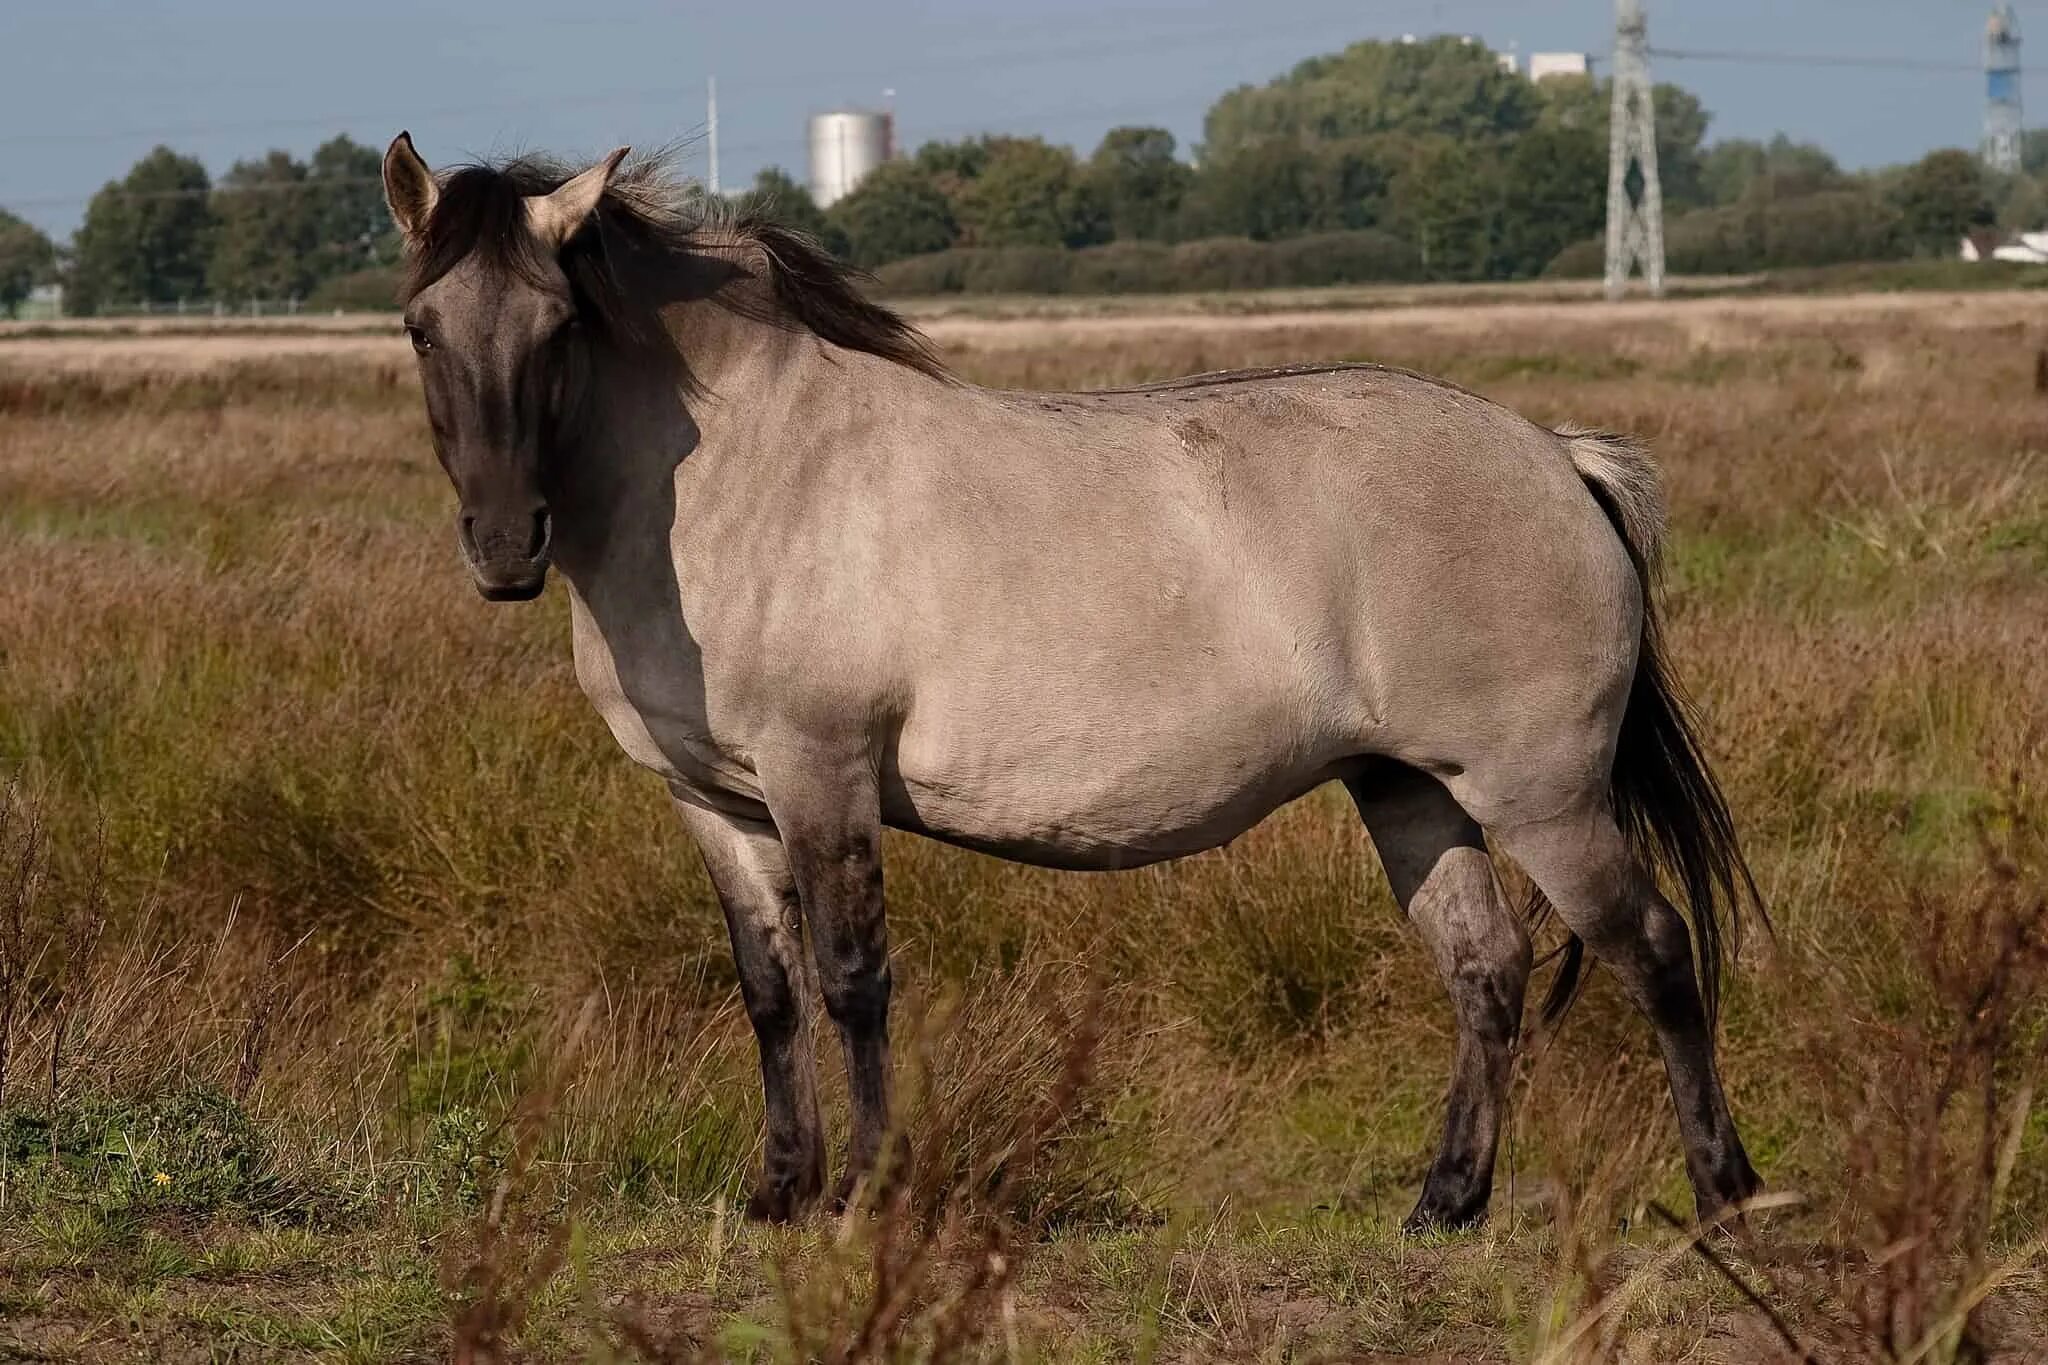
(1553, 193)
(897, 211)
(1781, 168)
(779, 198)
(1447, 201)
(1682, 121)
(146, 236)
(1445, 85)
(265, 231)
(1575, 102)
(1140, 180)
(2023, 206)
(1941, 197)
(2034, 151)
(26, 259)
(1262, 190)
(1349, 180)
(950, 165)
(352, 228)
(1029, 193)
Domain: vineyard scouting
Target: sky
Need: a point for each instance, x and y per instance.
(91, 85)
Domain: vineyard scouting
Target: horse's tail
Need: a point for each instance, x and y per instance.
(1664, 795)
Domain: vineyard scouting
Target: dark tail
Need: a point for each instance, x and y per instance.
(1665, 797)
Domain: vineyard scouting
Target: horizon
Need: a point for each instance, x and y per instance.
(987, 71)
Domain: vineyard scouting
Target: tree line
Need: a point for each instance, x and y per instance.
(1384, 161)
(1387, 161)
(274, 227)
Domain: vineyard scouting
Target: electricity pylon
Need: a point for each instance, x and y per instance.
(1635, 201)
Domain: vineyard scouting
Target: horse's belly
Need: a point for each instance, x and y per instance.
(1099, 801)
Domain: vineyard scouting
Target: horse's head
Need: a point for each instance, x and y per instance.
(496, 328)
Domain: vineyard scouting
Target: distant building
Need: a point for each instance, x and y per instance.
(43, 301)
(1990, 244)
(1544, 65)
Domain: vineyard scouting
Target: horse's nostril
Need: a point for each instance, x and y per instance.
(543, 532)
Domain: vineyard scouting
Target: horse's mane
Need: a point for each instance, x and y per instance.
(648, 216)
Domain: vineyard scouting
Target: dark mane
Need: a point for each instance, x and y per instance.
(647, 220)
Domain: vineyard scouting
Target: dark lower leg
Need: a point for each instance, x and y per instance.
(1460, 1181)
(764, 918)
(1659, 979)
(1436, 861)
(1608, 899)
(856, 988)
(850, 941)
(829, 817)
(793, 1168)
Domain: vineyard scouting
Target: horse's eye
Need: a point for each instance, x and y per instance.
(421, 342)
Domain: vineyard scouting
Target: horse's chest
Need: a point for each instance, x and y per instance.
(652, 700)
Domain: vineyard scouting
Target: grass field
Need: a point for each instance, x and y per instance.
(360, 1001)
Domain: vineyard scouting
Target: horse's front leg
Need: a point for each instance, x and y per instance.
(750, 870)
(827, 807)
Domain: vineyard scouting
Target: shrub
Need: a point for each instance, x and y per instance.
(1364, 256)
(1223, 263)
(1716, 241)
(939, 272)
(374, 290)
(191, 1151)
(1017, 270)
(1580, 261)
(1832, 227)
(1122, 268)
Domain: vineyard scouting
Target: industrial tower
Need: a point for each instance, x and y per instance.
(1635, 221)
(2002, 112)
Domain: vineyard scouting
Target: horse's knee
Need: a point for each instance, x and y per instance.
(854, 979)
(771, 974)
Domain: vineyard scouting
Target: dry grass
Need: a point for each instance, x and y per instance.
(341, 911)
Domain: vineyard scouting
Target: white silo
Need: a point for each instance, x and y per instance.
(845, 145)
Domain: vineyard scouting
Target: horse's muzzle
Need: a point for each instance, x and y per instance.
(507, 554)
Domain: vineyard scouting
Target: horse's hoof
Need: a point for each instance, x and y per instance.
(770, 1205)
(1720, 1204)
(1438, 1215)
(780, 1201)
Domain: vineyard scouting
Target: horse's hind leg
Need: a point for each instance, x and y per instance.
(1608, 898)
(1436, 860)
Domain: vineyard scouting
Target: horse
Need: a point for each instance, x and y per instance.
(821, 586)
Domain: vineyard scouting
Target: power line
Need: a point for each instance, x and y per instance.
(1753, 57)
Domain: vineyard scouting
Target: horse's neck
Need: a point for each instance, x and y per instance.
(707, 402)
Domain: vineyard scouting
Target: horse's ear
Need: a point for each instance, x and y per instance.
(555, 217)
(409, 187)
